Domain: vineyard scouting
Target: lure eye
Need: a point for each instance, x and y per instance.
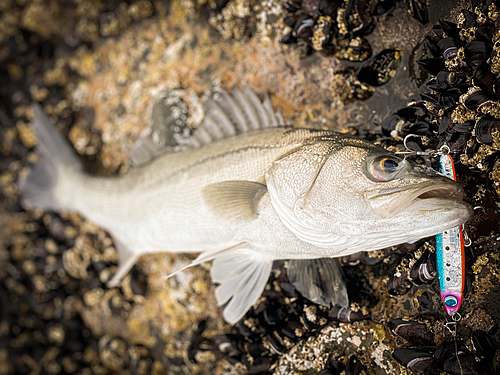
(384, 168)
(450, 300)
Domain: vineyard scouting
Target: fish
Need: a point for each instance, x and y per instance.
(245, 190)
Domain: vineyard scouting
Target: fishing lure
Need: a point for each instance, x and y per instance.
(450, 255)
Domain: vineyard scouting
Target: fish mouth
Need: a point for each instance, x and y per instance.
(391, 201)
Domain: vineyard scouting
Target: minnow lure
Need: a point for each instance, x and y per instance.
(450, 254)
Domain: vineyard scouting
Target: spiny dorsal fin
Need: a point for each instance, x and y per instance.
(235, 113)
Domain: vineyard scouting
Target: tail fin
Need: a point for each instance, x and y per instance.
(54, 152)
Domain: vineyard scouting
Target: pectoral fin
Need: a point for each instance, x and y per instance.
(242, 276)
(319, 280)
(234, 200)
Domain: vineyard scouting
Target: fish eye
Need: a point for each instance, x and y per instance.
(384, 168)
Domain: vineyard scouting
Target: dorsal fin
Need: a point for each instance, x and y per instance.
(235, 113)
(226, 114)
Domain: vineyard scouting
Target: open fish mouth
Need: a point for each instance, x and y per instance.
(442, 194)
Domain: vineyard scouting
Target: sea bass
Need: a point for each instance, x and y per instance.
(247, 191)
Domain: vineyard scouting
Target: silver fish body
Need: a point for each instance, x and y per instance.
(249, 199)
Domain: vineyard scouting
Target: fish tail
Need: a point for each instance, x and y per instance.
(38, 189)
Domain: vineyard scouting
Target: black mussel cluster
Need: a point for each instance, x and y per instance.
(352, 367)
(474, 356)
(414, 268)
(461, 108)
(350, 83)
(338, 26)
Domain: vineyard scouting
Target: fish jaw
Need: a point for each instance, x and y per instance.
(388, 202)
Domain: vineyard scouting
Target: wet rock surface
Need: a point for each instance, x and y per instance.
(109, 72)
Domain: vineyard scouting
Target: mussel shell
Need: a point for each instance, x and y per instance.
(464, 127)
(483, 76)
(496, 86)
(255, 349)
(289, 332)
(484, 35)
(438, 30)
(474, 100)
(354, 366)
(390, 125)
(273, 315)
(445, 124)
(418, 361)
(380, 68)
(432, 46)
(447, 102)
(484, 128)
(442, 82)
(424, 270)
(447, 350)
(422, 128)
(413, 113)
(432, 65)
(483, 345)
(418, 10)
(449, 48)
(465, 364)
(227, 344)
(328, 8)
(399, 284)
(353, 49)
(470, 18)
(303, 28)
(413, 332)
(261, 365)
(450, 29)
(328, 371)
(358, 18)
(383, 6)
(289, 38)
(276, 343)
(290, 21)
(345, 314)
(335, 365)
(477, 53)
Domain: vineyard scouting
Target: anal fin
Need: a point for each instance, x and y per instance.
(127, 259)
(319, 280)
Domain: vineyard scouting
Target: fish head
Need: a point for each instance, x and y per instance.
(348, 194)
